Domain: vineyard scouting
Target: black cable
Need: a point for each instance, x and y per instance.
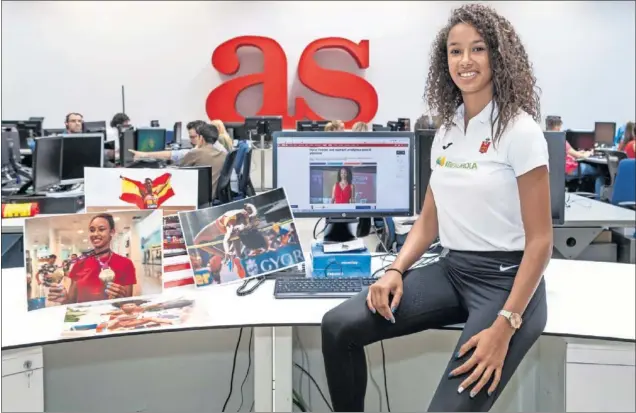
(386, 386)
(298, 366)
(238, 343)
(249, 366)
(316, 227)
(243, 291)
(300, 406)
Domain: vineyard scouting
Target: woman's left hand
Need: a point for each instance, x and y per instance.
(115, 291)
(491, 347)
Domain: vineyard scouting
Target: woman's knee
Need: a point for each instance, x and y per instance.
(342, 324)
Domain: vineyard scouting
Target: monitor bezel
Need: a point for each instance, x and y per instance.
(347, 134)
(44, 188)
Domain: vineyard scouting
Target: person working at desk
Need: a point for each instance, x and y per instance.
(493, 217)
(360, 127)
(102, 275)
(335, 126)
(224, 137)
(176, 155)
(73, 122)
(574, 169)
(628, 144)
(205, 153)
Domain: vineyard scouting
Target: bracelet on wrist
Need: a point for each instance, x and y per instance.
(396, 270)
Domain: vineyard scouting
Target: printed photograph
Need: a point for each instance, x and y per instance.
(246, 238)
(114, 189)
(343, 184)
(177, 271)
(90, 257)
(132, 314)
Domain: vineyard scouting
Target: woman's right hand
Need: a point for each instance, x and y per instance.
(57, 294)
(378, 296)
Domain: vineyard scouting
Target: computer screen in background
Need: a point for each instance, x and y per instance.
(604, 133)
(150, 139)
(79, 151)
(26, 129)
(263, 125)
(311, 125)
(94, 126)
(423, 144)
(47, 163)
(580, 140)
(205, 195)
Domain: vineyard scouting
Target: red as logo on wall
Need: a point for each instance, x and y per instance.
(220, 103)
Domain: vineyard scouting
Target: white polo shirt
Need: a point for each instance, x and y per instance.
(475, 183)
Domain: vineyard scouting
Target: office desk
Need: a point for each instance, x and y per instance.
(579, 306)
(594, 160)
(585, 219)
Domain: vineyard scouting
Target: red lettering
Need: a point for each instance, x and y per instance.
(221, 102)
(336, 83)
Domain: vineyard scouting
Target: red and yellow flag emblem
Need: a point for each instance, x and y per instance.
(150, 194)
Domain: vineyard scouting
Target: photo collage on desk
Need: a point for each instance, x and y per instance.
(177, 270)
(242, 239)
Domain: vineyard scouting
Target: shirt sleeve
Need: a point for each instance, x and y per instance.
(527, 148)
(177, 155)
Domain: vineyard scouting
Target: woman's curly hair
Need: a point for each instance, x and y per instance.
(514, 84)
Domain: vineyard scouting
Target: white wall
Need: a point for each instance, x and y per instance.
(74, 56)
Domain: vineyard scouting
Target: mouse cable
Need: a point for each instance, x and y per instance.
(249, 366)
(298, 366)
(238, 343)
(386, 386)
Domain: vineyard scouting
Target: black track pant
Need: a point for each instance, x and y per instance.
(463, 287)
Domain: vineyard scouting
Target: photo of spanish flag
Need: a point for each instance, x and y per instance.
(150, 194)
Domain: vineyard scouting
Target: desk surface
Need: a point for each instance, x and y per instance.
(584, 212)
(585, 299)
(594, 160)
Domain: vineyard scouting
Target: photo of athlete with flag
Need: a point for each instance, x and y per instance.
(150, 194)
(241, 239)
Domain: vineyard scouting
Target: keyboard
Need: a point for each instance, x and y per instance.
(332, 287)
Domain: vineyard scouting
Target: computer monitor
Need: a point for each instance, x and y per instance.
(556, 152)
(150, 139)
(604, 133)
(99, 125)
(581, 140)
(423, 143)
(47, 163)
(311, 125)
(380, 128)
(10, 145)
(53, 132)
(126, 144)
(176, 133)
(378, 166)
(263, 125)
(26, 129)
(79, 151)
(205, 195)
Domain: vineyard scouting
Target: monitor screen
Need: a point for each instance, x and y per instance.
(580, 140)
(604, 133)
(345, 174)
(81, 151)
(311, 125)
(205, 185)
(99, 125)
(151, 139)
(47, 163)
(556, 152)
(263, 125)
(423, 143)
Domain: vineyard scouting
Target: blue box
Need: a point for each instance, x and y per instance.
(339, 264)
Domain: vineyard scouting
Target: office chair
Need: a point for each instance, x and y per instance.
(624, 184)
(613, 159)
(223, 189)
(245, 187)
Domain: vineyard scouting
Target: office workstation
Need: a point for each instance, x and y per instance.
(288, 216)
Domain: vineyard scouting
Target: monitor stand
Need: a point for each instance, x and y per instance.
(337, 230)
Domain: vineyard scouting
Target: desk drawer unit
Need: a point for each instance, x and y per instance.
(600, 377)
(23, 380)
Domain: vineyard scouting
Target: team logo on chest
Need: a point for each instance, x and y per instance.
(485, 145)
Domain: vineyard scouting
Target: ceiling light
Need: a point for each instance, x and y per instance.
(81, 231)
(116, 218)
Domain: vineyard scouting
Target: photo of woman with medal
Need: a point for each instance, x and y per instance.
(100, 276)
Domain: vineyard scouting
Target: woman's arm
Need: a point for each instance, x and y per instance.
(421, 236)
(333, 193)
(352, 200)
(577, 154)
(534, 195)
(164, 155)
